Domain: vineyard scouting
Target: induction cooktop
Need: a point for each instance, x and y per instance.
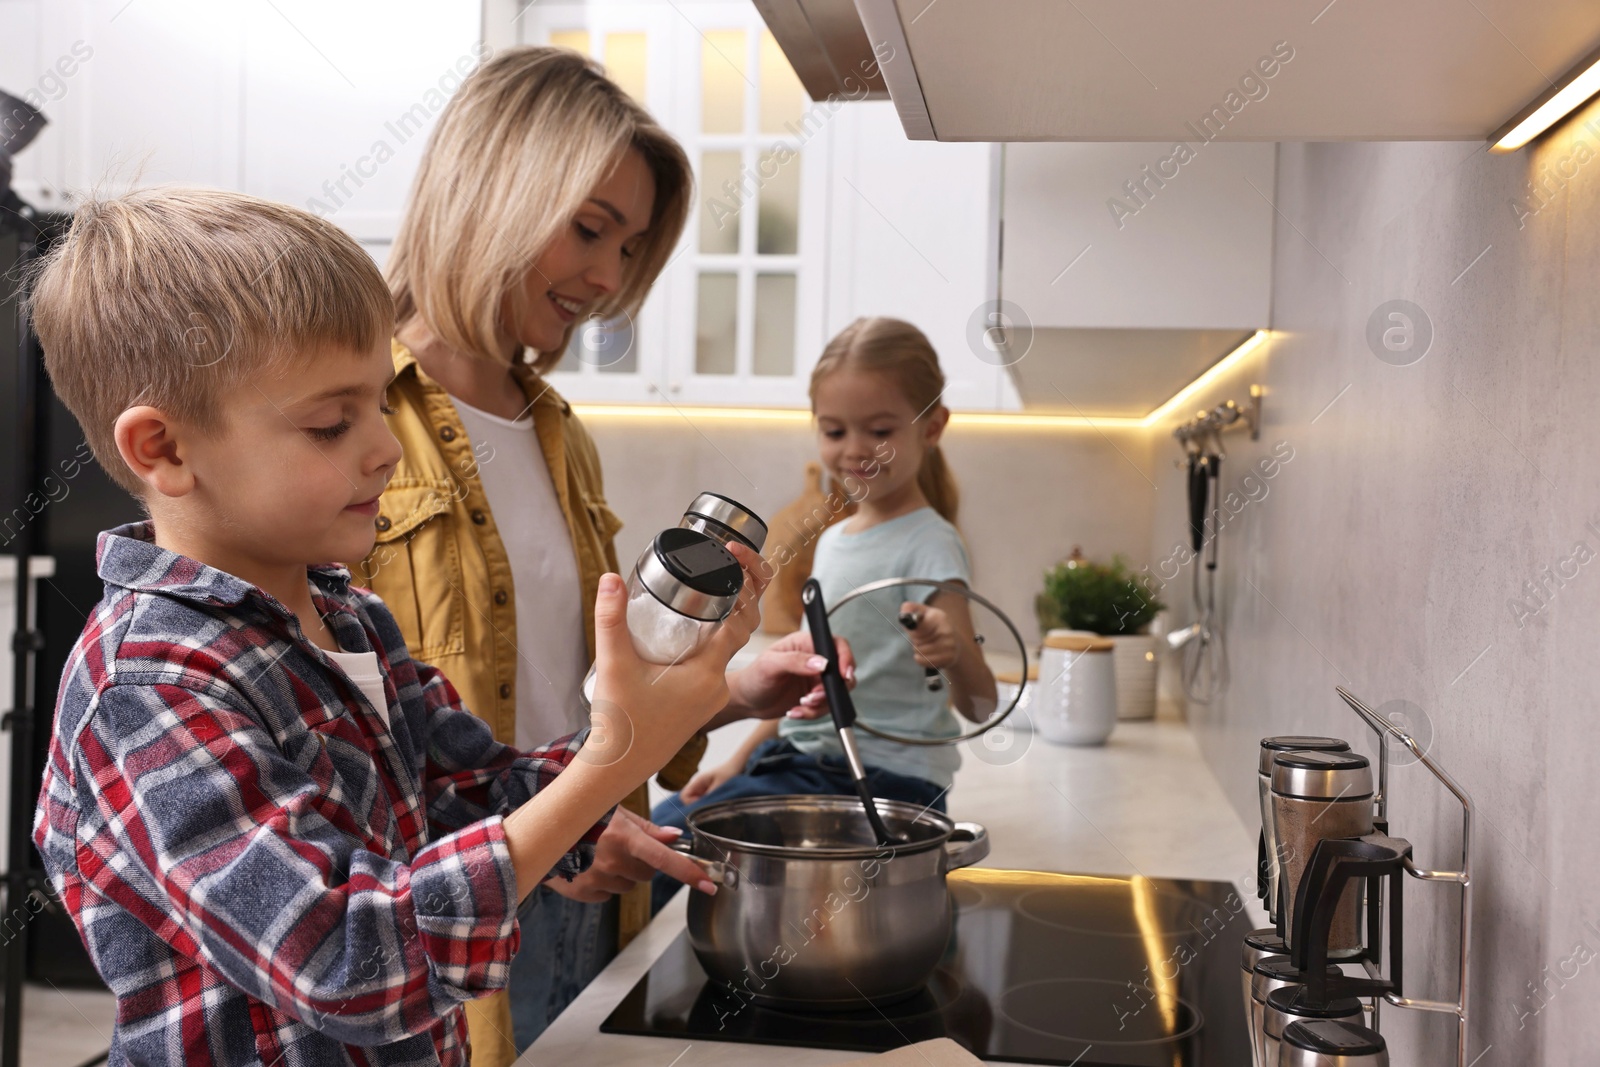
(1087, 970)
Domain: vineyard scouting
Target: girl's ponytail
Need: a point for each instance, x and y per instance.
(939, 485)
(900, 350)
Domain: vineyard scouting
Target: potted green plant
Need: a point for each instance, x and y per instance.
(1114, 601)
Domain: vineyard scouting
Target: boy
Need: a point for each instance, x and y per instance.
(284, 841)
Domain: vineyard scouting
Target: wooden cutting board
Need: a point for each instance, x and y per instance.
(940, 1052)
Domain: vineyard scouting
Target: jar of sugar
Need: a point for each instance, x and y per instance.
(684, 584)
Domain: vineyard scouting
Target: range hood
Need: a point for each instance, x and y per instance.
(1175, 70)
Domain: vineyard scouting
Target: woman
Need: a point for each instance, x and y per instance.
(545, 195)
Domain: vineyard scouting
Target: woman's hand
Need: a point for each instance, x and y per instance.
(631, 850)
(786, 679)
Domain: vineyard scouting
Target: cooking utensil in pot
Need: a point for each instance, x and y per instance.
(840, 705)
(813, 910)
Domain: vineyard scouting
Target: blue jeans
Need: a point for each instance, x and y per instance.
(778, 768)
(564, 945)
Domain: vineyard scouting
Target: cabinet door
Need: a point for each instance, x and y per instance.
(912, 235)
(1139, 236)
(339, 99)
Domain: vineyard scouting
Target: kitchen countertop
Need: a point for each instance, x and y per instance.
(1145, 804)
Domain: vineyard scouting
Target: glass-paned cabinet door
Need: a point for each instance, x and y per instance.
(622, 359)
(736, 317)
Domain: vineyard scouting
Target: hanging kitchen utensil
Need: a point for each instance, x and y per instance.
(958, 589)
(840, 705)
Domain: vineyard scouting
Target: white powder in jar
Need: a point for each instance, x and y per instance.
(660, 634)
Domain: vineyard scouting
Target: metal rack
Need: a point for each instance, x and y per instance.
(1225, 416)
(1384, 728)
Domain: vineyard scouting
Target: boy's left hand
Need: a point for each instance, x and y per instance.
(934, 637)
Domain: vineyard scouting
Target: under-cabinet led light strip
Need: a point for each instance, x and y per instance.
(1019, 420)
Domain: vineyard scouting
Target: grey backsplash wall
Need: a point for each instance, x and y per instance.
(1392, 553)
(1027, 495)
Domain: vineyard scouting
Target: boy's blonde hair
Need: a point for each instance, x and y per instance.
(903, 353)
(516, 152)
(172, 297)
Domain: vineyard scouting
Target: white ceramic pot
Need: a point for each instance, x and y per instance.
(1135, 660)
(1076, 700)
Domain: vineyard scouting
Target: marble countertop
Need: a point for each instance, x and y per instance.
(1145, 803)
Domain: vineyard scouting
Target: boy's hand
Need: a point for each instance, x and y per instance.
(934, 637)
(644, 712)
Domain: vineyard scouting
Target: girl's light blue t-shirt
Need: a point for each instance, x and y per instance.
(891, 691)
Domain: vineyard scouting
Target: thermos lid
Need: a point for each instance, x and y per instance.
(1295, 1001)
(1275, 972)
(1266, 940)
(1271, 746)
(1330, 776)
(1334, 1037)
(691, 573)
(730, 515)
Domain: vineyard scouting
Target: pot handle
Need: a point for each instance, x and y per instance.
(968, 843)
(723, 874)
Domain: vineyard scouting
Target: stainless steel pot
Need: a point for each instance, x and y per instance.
(811, 910)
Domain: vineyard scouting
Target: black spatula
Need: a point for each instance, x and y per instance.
(840, 704)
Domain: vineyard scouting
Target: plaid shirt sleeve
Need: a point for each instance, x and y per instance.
(229, 849)
(470, 776)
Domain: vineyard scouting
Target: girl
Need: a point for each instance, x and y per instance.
(875, 396)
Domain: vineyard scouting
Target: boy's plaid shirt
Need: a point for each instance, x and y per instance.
(261, 869)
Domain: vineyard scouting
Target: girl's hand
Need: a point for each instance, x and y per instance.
(934, 638)
(705, 781)
(786, 679)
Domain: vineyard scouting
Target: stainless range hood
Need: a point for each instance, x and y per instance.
(1232, 70)
(827, 46)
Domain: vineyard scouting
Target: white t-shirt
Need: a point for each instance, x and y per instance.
(552, 652)
(362, 667)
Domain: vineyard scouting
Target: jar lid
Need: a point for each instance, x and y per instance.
(1271, 746)
(1330, 776)
(730, 515)
(1068, 641)
(1272, 972)
(1295, 1001)
(691, 573)
(1335, 1037)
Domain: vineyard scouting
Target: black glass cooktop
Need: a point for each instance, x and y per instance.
(1047, 968)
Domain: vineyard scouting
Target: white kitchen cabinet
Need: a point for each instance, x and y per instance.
(322, 106)
(1139, 236)
(912, 235)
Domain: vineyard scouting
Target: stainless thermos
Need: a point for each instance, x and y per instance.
(1331, 1043)
(1317, 795)
(1291, 1005)
(1269, 975)
(1270, 747)
(1258, 945)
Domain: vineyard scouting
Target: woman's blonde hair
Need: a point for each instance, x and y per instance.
(516, 152)
(902, 352)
